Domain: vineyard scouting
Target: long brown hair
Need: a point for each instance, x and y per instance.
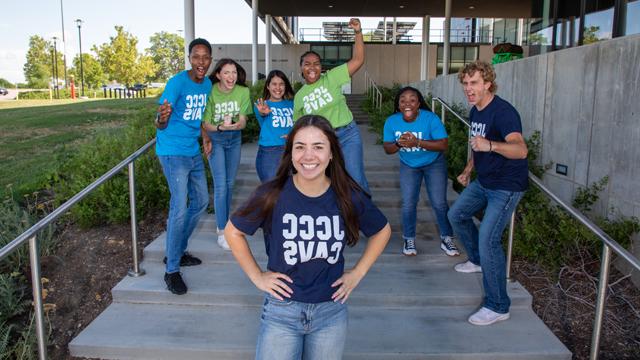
(288, 90)
(266, 195)
(242, 74)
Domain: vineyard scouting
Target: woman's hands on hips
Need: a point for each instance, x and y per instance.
(274, 284)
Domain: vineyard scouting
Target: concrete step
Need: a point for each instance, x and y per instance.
(203, 245)
(404, 284)
(160, 331)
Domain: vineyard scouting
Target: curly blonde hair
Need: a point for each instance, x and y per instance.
(486, 70)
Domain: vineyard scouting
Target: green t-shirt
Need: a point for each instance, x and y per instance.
(324, 97)
(220, 104)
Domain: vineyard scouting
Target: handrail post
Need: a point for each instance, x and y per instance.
(443, 113)
(36, 285)
(136, 271)
(512, 224)
(601, 300)
(433, 104)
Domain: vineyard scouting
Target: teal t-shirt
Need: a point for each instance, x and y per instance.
(188, 99)
(426, 126)
(276, 124)
(324, 97)
(221, 104)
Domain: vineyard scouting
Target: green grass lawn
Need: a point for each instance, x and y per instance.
(37, 136)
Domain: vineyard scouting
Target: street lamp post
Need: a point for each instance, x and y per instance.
(79, 23)
(55, 66)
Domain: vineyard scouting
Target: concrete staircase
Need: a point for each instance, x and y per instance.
(405, 308)
(354, 102)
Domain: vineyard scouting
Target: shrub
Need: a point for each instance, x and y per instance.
(109, 203)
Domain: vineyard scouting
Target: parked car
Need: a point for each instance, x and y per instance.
(3, 91)
(138, 86)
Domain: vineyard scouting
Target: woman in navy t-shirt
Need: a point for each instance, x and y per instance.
(309, 212)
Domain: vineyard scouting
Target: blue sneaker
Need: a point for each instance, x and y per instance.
(409, 248)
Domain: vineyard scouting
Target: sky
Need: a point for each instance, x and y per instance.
(22, 19)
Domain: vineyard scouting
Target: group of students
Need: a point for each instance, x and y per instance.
(314, 199)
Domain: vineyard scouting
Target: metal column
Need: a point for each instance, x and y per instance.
(447, 33)
(267, 45)
(424, 50)
(254, 41)
(189, 30)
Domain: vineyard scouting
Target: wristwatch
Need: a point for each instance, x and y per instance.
(218, 128)
(398, 145)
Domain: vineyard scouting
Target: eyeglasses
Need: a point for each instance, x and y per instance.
(198, 58)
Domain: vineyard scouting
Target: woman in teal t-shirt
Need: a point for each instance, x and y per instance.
(421, 140)
(225, 116)
(322, 95)
(274, 112)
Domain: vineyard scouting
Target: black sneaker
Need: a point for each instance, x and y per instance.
(187, 260)
(175, 284)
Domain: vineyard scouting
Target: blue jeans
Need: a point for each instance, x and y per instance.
(223, 162)
(267, 161)
(435, 178)
(351, 144)
(186, 180)
(296, 330)
(484, 246)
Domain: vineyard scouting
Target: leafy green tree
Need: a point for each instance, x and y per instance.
(121, 61)
(6, 83)
(38, 68)
(167, 52)
(591, 35)
(94, 76)
(538, 39)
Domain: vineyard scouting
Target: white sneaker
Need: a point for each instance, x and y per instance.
(222, 242)
(486, 316)
(468, 267)
(447, 245)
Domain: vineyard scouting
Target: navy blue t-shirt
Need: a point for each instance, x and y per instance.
(307, 236)
(495, 122)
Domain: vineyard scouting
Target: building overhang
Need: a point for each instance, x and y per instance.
(397, 8)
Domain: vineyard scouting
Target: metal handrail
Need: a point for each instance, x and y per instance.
(372, 90)
(608, 243)
(32, 232)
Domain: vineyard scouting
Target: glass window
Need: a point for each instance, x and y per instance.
(458, 57)
(633, 14)
(345, 53)
(498, 31)
(598, 26)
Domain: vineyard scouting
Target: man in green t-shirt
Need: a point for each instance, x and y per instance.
(322, 95)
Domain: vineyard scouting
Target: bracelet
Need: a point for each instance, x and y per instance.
(357, 31)
(418, 143)
(398, 145)
(490, 146)
(218, 128)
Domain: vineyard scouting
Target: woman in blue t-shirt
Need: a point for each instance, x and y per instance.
(419, 137)
(309, 212)
(274, 112)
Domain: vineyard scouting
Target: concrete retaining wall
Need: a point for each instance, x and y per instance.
(584, 101)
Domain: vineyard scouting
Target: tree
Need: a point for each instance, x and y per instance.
(6, 83)
(121, 61)
(591, 35)
(93, 74)
(537, 39)
(167, 52)
(38, 68)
